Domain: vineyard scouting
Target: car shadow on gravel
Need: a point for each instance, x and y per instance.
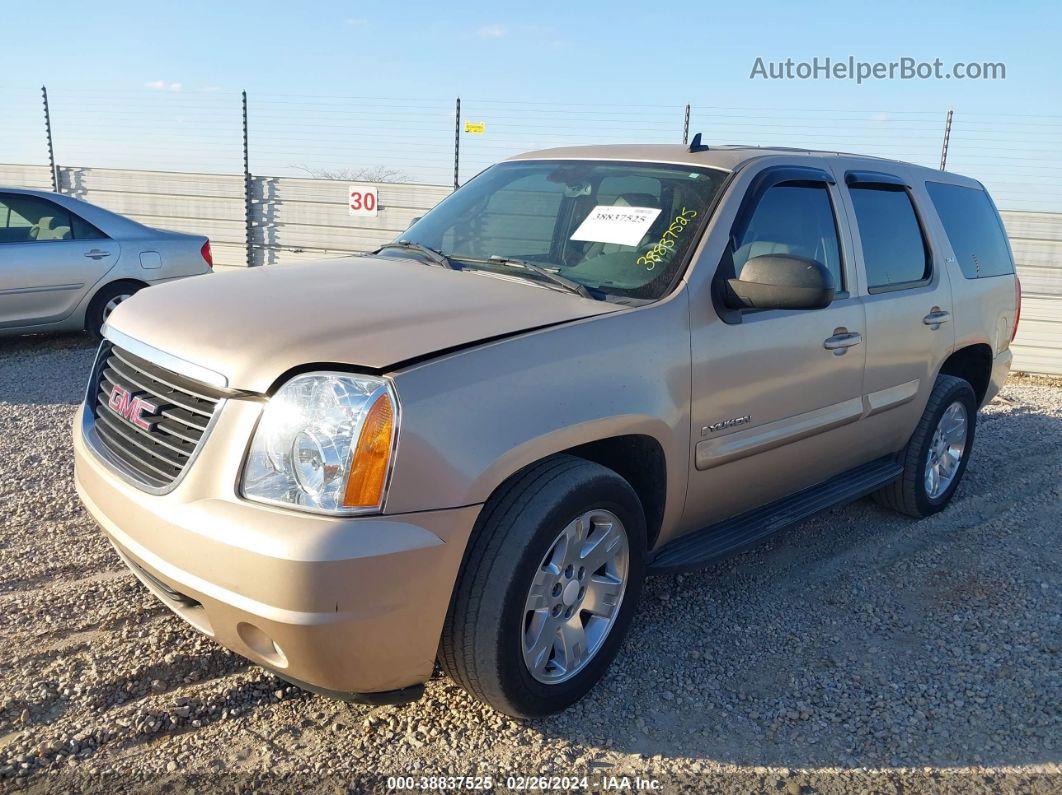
(45, 369)
(148, 723)
(858, 638)
(46, 707)
(166, 676)
(193, 712)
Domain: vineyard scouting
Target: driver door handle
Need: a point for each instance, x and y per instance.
(936, 316)
(842, 341)
(97, 253)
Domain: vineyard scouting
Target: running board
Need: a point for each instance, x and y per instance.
(716, 541)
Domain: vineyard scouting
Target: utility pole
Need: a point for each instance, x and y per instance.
(457, 144)
(947, 136)
(247, 205)
(48, 134)
(686, 127)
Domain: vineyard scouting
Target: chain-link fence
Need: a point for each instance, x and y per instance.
(445, 141)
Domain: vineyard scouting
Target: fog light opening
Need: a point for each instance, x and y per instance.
(261, 644)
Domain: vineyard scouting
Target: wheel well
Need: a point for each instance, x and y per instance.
(972, 364)
(133, 282)
(117, 282)
(640, 461)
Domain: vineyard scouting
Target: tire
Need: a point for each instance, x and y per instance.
(517, 540)
(101, 305)
(911, 493)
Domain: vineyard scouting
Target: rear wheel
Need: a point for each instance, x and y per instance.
(935, 458)
(105, 302)
(549, 587)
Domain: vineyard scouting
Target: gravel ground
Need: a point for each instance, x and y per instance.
(861, 651)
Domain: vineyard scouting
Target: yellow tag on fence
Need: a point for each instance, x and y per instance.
(475, 127)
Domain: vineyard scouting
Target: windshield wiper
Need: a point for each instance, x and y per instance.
(435, 256)
(568, 284)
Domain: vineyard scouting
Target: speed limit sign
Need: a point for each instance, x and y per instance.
(362, 200)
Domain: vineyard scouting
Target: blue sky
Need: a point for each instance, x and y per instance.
(156, 85)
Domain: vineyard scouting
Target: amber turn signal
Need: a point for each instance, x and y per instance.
(368, 469)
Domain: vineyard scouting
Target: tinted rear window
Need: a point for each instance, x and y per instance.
(974, 230)
(894, 250)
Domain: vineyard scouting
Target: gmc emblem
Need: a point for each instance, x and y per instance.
(131, 408)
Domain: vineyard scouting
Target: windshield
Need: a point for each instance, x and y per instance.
(619, 229)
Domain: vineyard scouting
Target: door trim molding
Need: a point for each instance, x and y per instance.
(741, 444)
(50, 288)
(750, 441)
(891, 397)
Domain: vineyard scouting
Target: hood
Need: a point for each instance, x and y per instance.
(253, 325)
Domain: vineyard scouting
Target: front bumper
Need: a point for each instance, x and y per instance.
(349, 606)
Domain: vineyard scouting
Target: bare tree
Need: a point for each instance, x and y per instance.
(367, 174)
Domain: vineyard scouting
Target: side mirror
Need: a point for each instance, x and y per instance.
(780, 281)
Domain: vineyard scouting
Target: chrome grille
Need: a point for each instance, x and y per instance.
(182, 409)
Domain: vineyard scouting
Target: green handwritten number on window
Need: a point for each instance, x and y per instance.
(666, 244)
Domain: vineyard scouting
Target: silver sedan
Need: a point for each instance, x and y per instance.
(65, 264)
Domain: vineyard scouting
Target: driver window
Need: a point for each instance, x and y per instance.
(793, 219)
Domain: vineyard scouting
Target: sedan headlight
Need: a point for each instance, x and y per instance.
(324, 443)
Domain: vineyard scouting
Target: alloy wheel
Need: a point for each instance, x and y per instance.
(575, 596)
(111, 305)
(946, 450)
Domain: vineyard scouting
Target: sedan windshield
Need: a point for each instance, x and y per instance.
(618, 229)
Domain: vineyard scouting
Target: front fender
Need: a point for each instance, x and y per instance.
(472, 419)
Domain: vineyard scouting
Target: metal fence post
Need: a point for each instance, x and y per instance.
(457, 143)
(686, 127)
(48, 133)
(247, 206)
(947, 135)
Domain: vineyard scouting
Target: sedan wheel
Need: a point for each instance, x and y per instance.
(105, 302)
(111, 305)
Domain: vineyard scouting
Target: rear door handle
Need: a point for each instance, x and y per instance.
(936, 316)
(842, 341)
(97, 254)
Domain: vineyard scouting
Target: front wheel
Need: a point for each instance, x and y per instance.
(935, 458)
(549, 586)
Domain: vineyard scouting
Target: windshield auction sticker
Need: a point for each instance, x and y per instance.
(624, 226)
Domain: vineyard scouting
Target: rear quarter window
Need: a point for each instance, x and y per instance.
(83, 230)
(974, 230)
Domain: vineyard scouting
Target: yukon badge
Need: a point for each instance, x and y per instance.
(131, 408)
(723, 424)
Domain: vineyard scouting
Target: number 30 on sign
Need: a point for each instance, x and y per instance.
(362, 200)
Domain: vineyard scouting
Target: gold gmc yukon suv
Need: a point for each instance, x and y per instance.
(584, 366)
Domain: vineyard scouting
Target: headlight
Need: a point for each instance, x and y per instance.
(324, 443)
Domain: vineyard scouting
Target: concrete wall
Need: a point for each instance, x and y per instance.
(1036, 239)
(205, 204)
(293, 219)
(297, 219)
(308, 218)
(15, 176)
